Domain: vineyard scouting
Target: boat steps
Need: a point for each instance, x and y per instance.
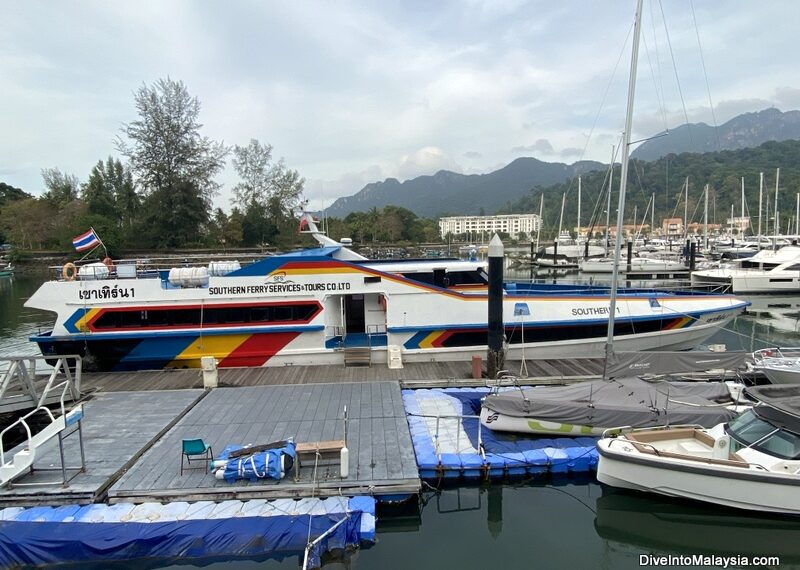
(357, 356)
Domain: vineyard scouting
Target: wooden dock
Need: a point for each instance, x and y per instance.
(134, 423)
(412, 375)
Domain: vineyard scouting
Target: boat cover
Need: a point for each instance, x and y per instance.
(621, 402)
(623, 364)
(780, 404)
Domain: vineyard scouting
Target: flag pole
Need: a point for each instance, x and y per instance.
(100, 240)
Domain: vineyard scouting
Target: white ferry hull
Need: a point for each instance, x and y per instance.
(292, 310)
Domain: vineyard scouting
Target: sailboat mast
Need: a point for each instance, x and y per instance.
(705, 222)
(741, 222)
(612, 310)
(578, 231)
(561, 217)
(539, 227)
(608, 204)
(776, 225)
(760, 200)
(686, 210)
(653, 215)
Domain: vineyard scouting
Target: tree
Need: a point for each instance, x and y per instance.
(268, 194)
(175, 165)
(29, 223)
(99, 191)
(61, 188)
(252, 164)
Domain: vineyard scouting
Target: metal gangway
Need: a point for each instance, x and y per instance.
(27, 381)
(62, 384)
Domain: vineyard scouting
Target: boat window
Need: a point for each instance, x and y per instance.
(748, 428)
(795, 267)
(782, 444)
(209, 316)
(422, 277)
(282, 313)
(466, 278)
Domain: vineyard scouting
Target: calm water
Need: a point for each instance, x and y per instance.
(544, 523)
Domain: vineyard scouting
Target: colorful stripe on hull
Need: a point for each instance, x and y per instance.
(179, 351)
(455, 338)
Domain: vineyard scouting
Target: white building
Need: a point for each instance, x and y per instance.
(514, 225)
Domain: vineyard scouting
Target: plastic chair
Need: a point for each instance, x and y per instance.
(195, 450)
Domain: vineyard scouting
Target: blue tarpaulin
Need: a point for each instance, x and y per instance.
(46, 535)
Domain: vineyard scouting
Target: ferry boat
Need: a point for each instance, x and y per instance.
(307, 307)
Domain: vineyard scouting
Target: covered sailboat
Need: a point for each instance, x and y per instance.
(589, 408)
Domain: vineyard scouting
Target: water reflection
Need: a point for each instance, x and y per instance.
(17, 323)
(630, 522)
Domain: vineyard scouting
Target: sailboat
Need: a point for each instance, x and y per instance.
(601, 404)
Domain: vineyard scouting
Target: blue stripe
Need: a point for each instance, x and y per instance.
(167, 334)
(573, 322)
(156, 352)
(85, 241)
(70, 323)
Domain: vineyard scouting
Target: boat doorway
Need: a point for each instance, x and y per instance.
(355, 322)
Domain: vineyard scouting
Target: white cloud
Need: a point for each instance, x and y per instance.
(353, 92)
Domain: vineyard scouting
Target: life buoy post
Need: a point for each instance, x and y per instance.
(69, 271)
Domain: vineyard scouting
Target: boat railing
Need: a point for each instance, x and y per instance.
(459, 419)
(765, 355)
(546, 286)
(26, 381)
(145, 267)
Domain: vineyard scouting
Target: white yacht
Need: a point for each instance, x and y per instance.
(767, 271)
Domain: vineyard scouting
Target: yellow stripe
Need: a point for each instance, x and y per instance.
(218, 346)
(427, 342)
(88, 316)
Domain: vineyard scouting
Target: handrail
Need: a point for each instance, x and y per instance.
(27, 429)
(66, 385)
(481, 448)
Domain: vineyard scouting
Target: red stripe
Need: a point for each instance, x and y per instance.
(82, 236)
(441, 338)
(258, 349)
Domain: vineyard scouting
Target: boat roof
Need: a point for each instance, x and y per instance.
(780, 404)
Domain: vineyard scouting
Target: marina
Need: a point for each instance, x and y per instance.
(143, 467)
(248, 374)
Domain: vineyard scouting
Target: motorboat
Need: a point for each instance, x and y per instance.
(767, 271)
(590, 408)
(751, 462)
(6, 269)
(567, 255)
(637, 265)
(779, 365)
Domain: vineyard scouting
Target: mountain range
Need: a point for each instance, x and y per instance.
(743, 131)
(452, 193)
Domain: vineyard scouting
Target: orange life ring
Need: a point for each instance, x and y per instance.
(69, 271)
(108, 262)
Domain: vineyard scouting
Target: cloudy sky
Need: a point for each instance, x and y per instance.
(353, 92)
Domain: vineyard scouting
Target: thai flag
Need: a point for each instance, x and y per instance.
(86, 241)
